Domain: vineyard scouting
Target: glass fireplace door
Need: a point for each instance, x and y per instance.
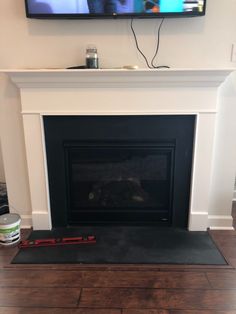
(119, 183)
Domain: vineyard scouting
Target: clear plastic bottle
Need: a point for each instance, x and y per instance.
(91, 57)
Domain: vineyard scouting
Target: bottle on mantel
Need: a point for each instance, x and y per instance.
(91, 57)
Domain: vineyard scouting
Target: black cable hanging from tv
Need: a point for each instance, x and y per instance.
(152, 66)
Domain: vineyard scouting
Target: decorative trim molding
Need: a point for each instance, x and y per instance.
(115, 113)
(118, 78)
(222, 228)
(220, 222)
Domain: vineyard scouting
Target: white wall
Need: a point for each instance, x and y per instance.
(194, 42)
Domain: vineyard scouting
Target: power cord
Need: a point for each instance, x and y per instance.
(152, 66)
(137, 45)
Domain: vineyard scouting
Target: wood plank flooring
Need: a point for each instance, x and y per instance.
(120, 289)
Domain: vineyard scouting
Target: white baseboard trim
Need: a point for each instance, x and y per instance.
(220, 222)
(234, 197)
(26, 221)
(221, 228)
(198, 221)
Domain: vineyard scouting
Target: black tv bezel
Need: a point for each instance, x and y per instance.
(71, 16)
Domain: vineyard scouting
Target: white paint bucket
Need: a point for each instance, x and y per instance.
(9, 229)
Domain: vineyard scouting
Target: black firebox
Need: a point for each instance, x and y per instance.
(119, 169)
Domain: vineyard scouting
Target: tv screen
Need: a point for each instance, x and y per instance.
(113, 8)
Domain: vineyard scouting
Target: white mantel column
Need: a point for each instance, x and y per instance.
(37, 170)
(224, 158)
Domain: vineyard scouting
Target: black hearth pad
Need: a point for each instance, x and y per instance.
(125, 245)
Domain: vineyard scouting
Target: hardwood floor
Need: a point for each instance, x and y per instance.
(120, 289)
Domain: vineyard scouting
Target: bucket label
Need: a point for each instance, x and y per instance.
(7, 234)
(4, 231)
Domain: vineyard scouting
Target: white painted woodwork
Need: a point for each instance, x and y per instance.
(123, 92)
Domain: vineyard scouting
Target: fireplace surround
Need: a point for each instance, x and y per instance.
(119, 169)
(83, 93)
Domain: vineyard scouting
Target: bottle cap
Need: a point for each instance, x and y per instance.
(91, 48)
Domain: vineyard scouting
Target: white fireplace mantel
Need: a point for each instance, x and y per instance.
(123, 92)
(118, 78)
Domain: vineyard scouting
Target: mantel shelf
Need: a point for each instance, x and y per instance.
(142, 78)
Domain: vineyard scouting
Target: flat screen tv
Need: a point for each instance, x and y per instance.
(87, 9)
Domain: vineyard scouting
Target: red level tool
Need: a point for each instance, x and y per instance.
(57, 241)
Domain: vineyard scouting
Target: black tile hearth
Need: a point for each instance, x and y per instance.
(125, 245)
